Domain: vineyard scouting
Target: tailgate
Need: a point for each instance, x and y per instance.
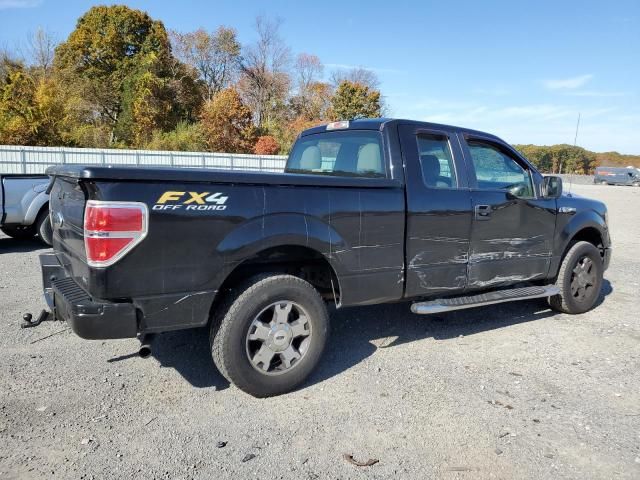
(66, 203)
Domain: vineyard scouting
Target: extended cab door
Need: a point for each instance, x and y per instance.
(513, 227)
(438, 212)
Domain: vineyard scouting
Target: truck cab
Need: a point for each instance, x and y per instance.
(478, 214)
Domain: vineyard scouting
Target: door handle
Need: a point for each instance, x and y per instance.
(483, 212)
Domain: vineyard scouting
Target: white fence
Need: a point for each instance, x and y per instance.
(19, 159)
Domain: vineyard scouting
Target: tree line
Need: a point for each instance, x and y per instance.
(572, 159)
(121, 80)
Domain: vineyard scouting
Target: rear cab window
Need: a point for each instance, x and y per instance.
(347, 153)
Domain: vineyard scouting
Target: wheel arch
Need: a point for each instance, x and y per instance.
(298, 260)
(589, 229)
(36, 207)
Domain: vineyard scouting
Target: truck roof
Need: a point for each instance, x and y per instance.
(381, 123)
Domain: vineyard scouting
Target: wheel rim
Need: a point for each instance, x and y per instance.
(583, 279)
(278, 338)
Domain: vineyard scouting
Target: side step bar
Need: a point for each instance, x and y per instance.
(482, 299)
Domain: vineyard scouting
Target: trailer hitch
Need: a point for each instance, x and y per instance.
(28, 322)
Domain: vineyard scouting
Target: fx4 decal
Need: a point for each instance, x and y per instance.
(196, 201)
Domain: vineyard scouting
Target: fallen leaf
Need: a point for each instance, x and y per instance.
(353, 461)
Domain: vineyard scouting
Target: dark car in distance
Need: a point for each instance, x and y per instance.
(617, 176)
(367, 212)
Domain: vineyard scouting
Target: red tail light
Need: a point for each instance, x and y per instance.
(112, 229)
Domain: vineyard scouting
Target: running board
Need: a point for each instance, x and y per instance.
(482, 299)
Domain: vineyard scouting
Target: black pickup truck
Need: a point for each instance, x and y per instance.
(367, 212)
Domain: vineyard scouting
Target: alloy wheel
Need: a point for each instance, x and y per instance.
(278, 338)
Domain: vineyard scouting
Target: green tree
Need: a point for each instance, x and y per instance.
(186, 137)
(355, 100)
(559, 158)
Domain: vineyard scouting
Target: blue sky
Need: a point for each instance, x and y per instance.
(520, 69)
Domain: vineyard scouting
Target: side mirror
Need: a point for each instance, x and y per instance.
(552, 187)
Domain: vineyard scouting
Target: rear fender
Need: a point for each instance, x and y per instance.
(40, 200)
(280, 229)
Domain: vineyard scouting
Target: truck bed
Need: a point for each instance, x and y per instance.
(354, 224)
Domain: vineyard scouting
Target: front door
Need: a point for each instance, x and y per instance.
(513, 227)
(438, 212)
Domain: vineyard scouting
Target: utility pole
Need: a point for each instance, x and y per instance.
(575, 139)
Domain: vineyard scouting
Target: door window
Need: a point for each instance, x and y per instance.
(436, 161)
(497, 170)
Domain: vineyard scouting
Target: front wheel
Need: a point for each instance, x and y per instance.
(579, 279)
(269, 334)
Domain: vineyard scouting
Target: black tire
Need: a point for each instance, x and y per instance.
(604, 183)
(636, 184)
(43, 227)
(573, 297)
(234, 318)
(19, 232)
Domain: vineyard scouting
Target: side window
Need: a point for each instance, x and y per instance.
(496, 170)
(436, 161)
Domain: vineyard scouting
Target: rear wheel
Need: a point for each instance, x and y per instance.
(579, 279)
(269, 334)
(636, 184)
(603, 183)
(43, 227)
(19, 232)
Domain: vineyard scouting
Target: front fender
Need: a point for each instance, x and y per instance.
(568, 226)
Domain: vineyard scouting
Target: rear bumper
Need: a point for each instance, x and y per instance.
(88, 317)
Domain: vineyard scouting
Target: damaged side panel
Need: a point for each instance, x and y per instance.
(514, 245)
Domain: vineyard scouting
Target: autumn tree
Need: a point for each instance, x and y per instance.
(308, 70)
(360, 75)
(214, 56)
(8, 64)
(264, 82)
(354, 100)
(312, 98)
(32, 111)
(266, 145)
(112, 49)
(40, 51)
(227, 123)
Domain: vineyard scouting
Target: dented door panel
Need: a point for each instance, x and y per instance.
(515, 244)
(438, 222)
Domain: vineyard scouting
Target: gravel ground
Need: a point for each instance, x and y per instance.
(515, 391)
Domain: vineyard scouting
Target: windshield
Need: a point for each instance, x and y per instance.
(347, 153)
